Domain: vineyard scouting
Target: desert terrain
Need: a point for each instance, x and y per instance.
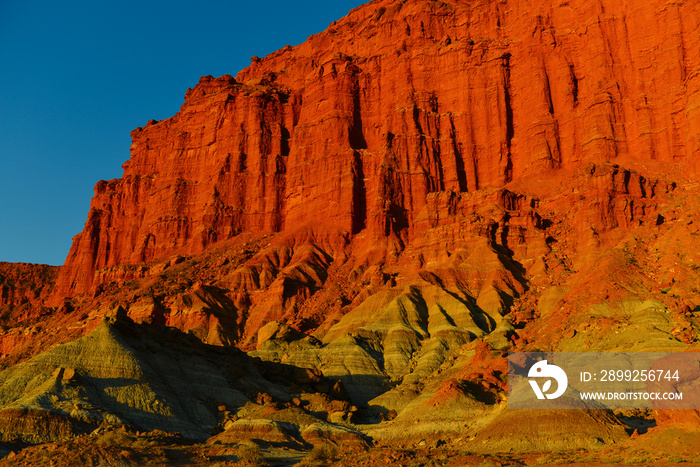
(326, 258)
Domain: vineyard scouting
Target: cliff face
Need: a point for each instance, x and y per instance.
(353, 130)
(22, 283)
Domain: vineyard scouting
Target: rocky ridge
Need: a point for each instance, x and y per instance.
(22, 283)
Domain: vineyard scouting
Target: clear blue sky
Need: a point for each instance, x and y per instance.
(77, 76)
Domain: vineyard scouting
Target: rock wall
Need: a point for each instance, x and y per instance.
(22, 283)
(354, 128)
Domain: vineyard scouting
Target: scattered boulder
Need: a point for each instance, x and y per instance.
(307, 376)
(69, 374)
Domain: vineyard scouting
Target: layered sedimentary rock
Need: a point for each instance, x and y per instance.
(363, 126)
(22, 283)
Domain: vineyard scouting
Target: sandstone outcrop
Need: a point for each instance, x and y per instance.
(360, 125)
(22, 283)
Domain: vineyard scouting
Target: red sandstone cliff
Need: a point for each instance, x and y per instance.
(358, 129)
(22, 283)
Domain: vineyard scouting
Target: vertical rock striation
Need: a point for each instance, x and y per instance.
(353, 129)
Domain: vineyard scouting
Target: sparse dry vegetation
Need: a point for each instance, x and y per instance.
(324, 453)
(251, 454)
